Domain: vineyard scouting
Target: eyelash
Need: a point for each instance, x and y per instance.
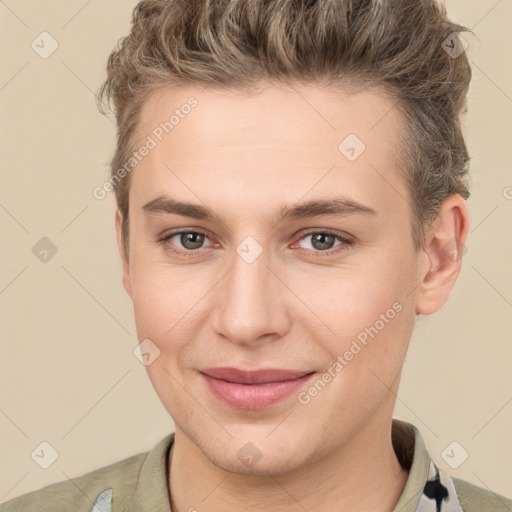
(344, 245)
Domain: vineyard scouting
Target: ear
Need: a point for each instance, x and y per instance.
(124, 257)
(445, 249)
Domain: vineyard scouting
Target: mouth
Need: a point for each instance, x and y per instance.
(253, 389)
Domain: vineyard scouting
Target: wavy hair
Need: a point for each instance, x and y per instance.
(400, 46)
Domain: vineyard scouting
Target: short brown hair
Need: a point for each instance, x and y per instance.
(395, 45)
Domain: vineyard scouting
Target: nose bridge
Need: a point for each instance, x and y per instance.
(249, 305)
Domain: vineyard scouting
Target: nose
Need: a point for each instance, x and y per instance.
(251, 303)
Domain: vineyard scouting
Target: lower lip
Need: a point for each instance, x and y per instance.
(254, 396)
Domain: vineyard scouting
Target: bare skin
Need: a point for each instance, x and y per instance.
(298, 305)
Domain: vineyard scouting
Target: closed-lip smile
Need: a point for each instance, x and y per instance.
(253, 389)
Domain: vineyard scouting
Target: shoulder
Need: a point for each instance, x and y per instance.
(477, 499)
(79, 494)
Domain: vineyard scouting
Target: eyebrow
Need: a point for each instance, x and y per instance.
(340, 206)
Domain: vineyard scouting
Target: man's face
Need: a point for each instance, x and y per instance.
(250, 290)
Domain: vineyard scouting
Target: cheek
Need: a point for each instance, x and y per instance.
(155, 305)
(365, 312)
(164, 310)
(354, 295)
(168, 304)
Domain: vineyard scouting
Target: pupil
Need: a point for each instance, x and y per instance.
(192, 240)
(324, 239)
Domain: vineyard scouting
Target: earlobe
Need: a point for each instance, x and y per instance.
(445, 249)
(122, 252)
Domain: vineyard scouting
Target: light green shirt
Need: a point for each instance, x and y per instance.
(140, 484)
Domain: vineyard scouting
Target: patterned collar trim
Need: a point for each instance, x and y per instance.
(103, 501)
(439, 494)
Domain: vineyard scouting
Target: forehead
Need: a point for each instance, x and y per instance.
(273, 114)
(270, 141)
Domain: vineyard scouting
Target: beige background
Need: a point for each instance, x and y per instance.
(68, 374)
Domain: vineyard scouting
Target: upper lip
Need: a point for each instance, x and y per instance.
(259, 376)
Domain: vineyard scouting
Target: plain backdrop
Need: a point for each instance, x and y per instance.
(68, 373)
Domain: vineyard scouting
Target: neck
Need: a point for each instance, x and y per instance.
(363, 474)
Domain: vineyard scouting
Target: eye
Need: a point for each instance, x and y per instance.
(183, 242)
(323, 242)
(189, 243)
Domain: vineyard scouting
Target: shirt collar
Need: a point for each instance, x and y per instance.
(153, 485)
(407, 439)
(428, 489)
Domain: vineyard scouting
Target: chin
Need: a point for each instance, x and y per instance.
(276, 466)
(260, 457)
